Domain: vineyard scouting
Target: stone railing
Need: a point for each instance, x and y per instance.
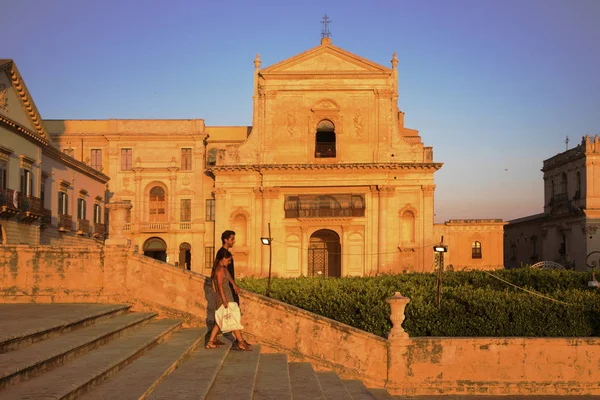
(185, 225)
(149, 227)
(404, 365)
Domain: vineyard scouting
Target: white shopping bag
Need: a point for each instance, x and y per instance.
(228, 319)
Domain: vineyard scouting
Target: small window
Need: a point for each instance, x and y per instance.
(186, 210)
(63, 201)
(81, 208)
(186, 159)
(209, 256)
(126, 159)
(210, 209)
(211, 158)
(96, 162)
(476, 250)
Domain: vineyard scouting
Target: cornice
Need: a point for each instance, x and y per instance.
(26, 100)
(22, 131)
(312, 167)
(76, 165)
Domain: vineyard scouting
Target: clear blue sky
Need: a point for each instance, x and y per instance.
(493, 85)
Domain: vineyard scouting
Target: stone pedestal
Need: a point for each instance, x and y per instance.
(118, 219)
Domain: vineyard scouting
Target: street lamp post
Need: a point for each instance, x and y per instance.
(440, 250)
(267, 242)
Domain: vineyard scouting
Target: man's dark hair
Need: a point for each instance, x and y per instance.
(226, 235)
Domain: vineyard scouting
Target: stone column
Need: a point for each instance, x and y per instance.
(139, 200)
(118, 218)
(426, 222)
(269, 193)
(220, 215)
(257, 229)
(385, 192)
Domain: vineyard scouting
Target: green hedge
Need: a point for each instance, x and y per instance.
(473, 303)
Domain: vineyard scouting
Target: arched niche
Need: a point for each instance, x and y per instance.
(239, 223)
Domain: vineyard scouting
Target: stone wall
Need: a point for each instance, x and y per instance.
(405, 366)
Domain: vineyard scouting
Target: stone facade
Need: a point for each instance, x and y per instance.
(35, 176)
(328, 170)
(472, 243)
(567, 231)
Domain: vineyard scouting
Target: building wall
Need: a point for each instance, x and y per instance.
(461, 236)
(568, 228)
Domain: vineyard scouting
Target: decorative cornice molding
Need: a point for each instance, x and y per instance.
(76, 165)
(26, 100)
(348, 166)
(22, 131)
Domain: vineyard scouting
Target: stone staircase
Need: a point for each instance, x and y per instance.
(99, 351)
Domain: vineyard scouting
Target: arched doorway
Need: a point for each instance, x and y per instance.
(325, 140)
(185, 256)
(156, 248)
(325, 254)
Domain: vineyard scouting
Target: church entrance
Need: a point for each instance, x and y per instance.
(325, 254)
(156, 248)
(185, 256)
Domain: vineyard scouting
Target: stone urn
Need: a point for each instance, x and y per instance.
(118, 219)
(397, 303)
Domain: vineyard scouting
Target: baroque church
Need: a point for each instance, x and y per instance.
(327, 171)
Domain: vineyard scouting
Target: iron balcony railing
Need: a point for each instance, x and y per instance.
(99, 230)
(83, 227)
(65, 223)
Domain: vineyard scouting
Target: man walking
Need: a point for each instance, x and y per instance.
(228, 240)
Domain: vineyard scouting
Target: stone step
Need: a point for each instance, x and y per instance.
(304, 382)
(194, 376)
(381, 394)
(25, 324)
(332, 386)
(358, 390)
(75, 377)
(142, 376)
(272, 378)
(21, 364)
(235, 379)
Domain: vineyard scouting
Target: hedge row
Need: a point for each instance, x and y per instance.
(473, 303)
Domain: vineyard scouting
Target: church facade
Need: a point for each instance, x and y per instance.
(327, 171)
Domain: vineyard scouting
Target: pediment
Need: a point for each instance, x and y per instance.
(125, 193)
(185, 192)
(326, 59)
(16, 103)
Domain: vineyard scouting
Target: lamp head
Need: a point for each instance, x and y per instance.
(265, 241)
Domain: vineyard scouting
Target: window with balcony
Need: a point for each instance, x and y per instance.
(126, 159)
(96, 161)
(97, 214)
(158, 204)
(476, 251)
(63, 202)
(186, 210)
(186, 159)
(26, 182)
(3, 174)
(210, 209)
(324, 205)
(325, 140)
(81, 208)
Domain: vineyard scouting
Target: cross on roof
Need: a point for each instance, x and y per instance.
(325, 30)
(567, 143)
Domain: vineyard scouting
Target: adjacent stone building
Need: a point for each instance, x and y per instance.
(328, 170)
(567, 231)
(46, 197)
